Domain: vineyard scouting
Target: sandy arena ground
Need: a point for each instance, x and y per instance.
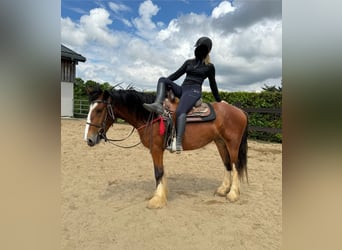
(105, 190)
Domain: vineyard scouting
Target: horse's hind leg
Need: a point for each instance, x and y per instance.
(226, 183)
(234, 192)
(230, 186)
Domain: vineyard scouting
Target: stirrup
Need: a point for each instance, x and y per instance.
(179, 149)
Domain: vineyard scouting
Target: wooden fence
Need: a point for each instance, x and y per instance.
(81, 108)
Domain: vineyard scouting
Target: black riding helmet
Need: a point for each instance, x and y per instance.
(204, 41)
(203, 47)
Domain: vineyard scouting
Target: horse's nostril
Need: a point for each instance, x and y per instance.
(90, 142)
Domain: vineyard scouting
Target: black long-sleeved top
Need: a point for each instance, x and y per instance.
(196, 73)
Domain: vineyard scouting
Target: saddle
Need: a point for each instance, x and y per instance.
(201, 112)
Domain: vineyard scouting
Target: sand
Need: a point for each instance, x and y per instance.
(105, 189)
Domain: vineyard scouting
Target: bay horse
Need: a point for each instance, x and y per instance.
(228, 131)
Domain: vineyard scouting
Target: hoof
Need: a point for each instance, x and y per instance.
(233, 196)
(221, 191)
(156, 202)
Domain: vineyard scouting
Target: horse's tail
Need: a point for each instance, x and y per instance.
(241, 165)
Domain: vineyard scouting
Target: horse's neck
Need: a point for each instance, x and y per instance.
(131, 119)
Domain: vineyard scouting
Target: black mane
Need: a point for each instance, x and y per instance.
(133, 101)
(94, 94)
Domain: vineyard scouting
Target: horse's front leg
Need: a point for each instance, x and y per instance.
(159, 198)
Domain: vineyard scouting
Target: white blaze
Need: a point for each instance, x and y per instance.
(91, 108)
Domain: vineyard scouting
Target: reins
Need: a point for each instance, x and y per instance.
(150, 122)
(111, 141)
(146, 126)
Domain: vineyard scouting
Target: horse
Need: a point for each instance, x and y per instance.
(228, 131)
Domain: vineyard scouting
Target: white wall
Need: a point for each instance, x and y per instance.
(67, 99)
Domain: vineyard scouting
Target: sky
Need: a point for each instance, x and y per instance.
(136, 42)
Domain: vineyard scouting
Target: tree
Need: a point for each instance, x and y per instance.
(106, 86)
(79, 88)
(91, 83)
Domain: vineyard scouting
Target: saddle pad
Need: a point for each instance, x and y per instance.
(208, 114)
(202, 110)
(202, 113)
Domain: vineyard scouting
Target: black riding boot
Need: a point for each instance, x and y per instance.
(181, 122)
(157, 106)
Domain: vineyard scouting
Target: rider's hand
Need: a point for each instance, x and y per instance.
(224, 101)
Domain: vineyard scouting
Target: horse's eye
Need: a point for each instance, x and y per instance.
(98, 111)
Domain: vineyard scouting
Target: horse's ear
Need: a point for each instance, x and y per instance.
(92, 88)
(105, 94)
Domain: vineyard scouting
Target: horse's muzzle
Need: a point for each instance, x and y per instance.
(93, 140)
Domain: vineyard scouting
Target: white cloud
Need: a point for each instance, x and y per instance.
(95, 25)
(92, 28)
(246, 56)
(126, 22)
(147, 9)
(144, 24)
(94, 71)
(222, 9)
(119, 10)
(78, 10)
(72, 33)
(263, 39)
(118, 7)
(169, 31)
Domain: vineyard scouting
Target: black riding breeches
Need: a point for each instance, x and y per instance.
(188, 95)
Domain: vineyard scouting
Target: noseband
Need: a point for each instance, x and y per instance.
(102, 128)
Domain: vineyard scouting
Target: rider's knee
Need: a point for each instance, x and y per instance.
(162, 79)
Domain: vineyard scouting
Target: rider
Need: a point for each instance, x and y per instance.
(197, 70)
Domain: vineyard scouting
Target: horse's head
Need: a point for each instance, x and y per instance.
(100, 116)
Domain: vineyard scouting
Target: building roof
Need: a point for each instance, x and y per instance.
(69, 54)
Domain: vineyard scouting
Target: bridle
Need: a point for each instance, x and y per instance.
(102, 128)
